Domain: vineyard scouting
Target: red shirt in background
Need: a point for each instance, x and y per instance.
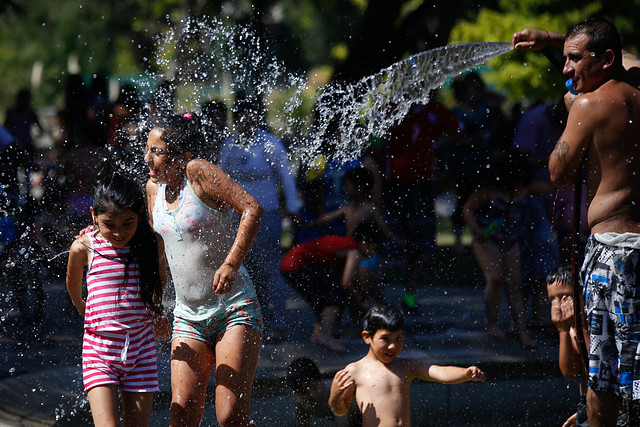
(319, 252)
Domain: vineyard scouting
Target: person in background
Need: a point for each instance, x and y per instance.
(257, 160)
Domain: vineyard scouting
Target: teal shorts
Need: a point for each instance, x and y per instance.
(246, 312)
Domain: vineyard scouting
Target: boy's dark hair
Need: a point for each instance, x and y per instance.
(560, 275)
(362, 178)
(114, 194)
(387, 317)
(368, 232)
(300, 372)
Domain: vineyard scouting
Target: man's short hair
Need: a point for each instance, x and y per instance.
(602, 35)
(385, 316)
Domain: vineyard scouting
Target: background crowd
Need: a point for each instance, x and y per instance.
(475, 147)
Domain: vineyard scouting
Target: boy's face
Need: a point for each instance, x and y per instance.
(557, 291)
(384, 344)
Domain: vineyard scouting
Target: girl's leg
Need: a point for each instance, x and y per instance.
(136, 408)
(513, 282)
(103, 401)
(489, 259)
(192, 363)
(237, 353)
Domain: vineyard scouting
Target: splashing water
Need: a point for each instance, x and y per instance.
(376, 103)
(207, 60)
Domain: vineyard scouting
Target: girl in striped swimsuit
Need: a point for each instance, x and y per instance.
(125, 279)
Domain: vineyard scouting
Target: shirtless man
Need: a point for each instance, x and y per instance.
(602, 133)
(379, 381)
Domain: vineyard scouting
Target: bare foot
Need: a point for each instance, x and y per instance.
(496, 333)
(329, 342)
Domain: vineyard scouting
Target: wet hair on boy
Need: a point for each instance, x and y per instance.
(387, 317)
(560, 275)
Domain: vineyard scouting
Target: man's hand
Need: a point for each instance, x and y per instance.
(530, 39)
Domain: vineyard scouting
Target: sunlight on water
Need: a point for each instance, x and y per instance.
(206, 60)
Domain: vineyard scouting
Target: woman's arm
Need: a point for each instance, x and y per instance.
(219, 191)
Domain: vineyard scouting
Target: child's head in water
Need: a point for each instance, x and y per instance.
(120, 216)
(559, 284)
(384, 332)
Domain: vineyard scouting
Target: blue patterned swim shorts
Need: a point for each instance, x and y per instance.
(612, 305)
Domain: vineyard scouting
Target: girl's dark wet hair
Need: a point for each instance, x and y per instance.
(560, 275)
(115, 194)
(387, 317)
(182, 133)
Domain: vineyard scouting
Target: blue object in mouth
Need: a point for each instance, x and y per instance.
(569, 85)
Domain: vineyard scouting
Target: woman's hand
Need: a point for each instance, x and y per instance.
(224, 279)
(87, 230)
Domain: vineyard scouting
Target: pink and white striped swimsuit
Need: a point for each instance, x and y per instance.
(118, 344)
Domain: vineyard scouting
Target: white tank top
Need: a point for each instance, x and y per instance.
(197, 239)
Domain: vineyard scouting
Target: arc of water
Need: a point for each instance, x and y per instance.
(378, 102)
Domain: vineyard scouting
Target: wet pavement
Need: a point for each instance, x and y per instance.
(41, 382)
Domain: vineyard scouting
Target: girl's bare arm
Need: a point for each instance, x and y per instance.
(78, 260)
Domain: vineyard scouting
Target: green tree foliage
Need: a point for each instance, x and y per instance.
(531, 76)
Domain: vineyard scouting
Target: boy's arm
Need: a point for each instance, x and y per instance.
(328, 217)
(78, 259)
(385, 229)
(447, 374)
(343, 388)
(563, 317)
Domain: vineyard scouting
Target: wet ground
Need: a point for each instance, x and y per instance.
(41, 383)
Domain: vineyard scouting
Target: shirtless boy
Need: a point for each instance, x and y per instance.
(602, 133)
(380, 381)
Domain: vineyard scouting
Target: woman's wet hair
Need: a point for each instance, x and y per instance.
(182, 133)
(388, 317)
(114, 194)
